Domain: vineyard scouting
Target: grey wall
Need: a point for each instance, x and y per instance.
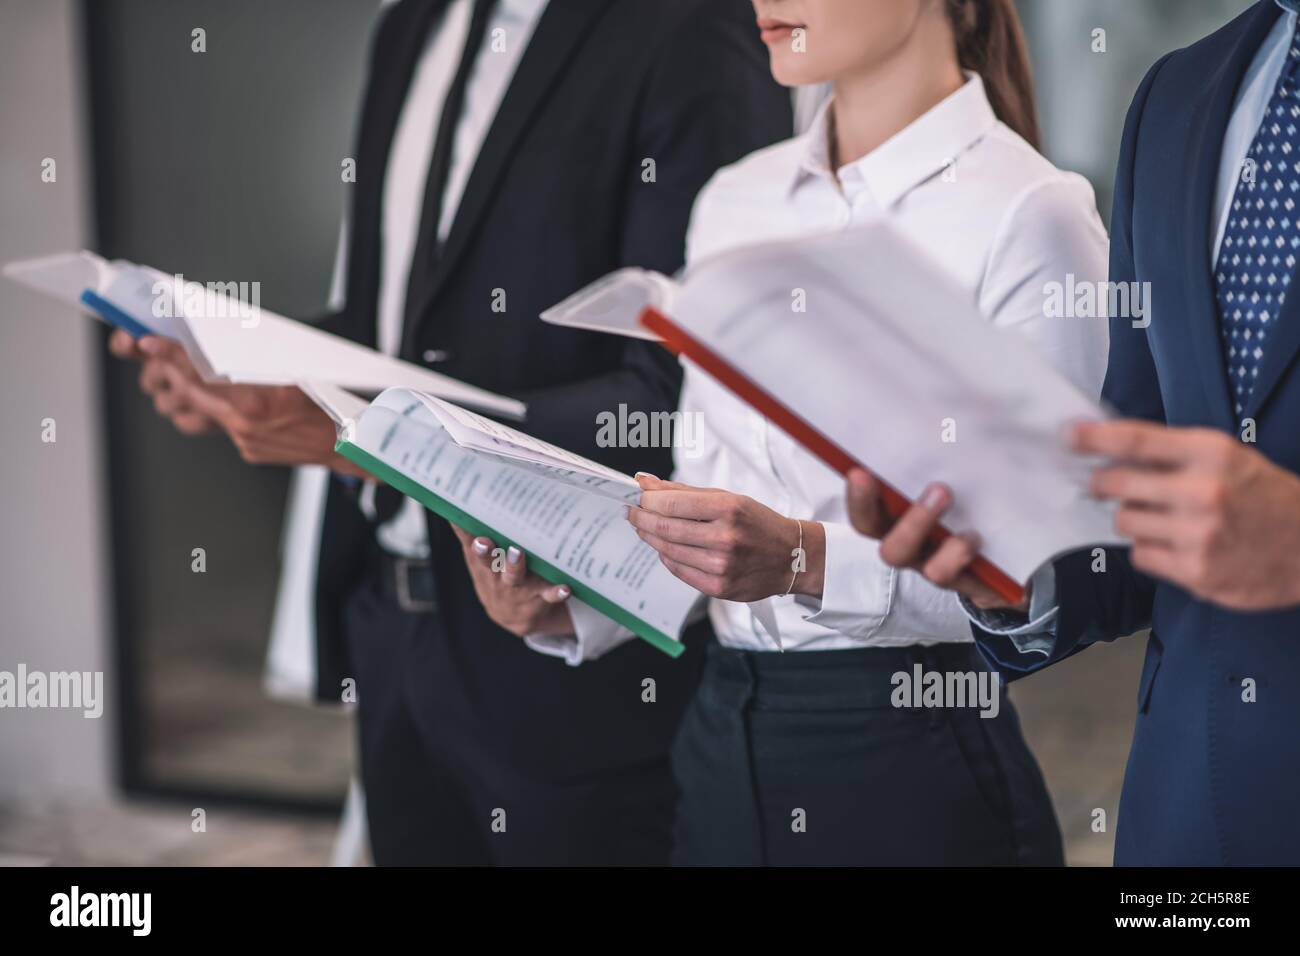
(52, 584)
(1083, 95)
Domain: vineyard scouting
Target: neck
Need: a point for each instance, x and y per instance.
(877, 103)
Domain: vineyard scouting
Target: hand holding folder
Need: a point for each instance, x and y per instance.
(889, 367)
(231, 341)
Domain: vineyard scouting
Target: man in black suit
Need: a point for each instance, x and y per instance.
(571, 139)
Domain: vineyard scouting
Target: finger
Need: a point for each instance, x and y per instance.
(649, 482)
(702, 559)
(188, 423)
(153, 377)
(981, 595)
(1159, 560)
(1133, 441)
(678, 530)
(557, 594)
(1146, 524)
(172, 353)
(694, 504)
(1143, 486)
(905, 545)
(702, 582)
(951, 560)
(207, 402)
(866, 512)
(463, 536)
(516, 567)
(482, 548)
(123, 346)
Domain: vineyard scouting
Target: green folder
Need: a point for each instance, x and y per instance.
(445, 509)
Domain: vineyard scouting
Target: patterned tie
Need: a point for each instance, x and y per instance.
(1262, 237)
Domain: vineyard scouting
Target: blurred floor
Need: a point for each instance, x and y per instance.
(211, 724)
(1078, 718)
(140, 833)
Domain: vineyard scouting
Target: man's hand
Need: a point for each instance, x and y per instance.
(520, 602)
(270, 425)
(165, 376)
(904, 542)
(1202, 510)
(725, 545)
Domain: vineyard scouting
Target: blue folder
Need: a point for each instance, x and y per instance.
(115, 316)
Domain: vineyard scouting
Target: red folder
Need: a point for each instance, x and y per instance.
(683, 343)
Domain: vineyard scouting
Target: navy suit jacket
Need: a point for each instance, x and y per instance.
(1211, 778)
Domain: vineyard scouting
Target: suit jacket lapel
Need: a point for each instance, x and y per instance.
(398, 43)
(559, 33)
(1209, 117)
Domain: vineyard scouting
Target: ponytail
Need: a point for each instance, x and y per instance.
(991, 43)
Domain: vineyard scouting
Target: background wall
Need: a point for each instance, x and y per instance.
(52, 544)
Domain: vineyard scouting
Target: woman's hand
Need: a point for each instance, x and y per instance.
(904, 544)
(728, 546)
(520, 602)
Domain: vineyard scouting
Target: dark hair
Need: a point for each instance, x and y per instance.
(991, 43)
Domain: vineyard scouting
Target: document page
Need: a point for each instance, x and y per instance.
(474, 431)
(892, 361)
(583, 535)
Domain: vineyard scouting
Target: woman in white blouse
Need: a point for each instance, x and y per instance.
(801, 757)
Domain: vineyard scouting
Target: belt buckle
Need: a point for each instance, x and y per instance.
(402, 568)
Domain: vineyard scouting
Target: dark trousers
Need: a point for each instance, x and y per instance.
(802, 759)
(435, 795)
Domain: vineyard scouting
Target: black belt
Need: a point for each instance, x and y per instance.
(407, 582)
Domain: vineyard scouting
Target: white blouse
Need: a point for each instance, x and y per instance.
(1002, 219)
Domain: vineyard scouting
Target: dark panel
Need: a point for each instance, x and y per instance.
(224, 166)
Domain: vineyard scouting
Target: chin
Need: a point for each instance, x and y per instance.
(793, 69)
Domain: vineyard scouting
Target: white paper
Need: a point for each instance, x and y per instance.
(63, 276)
(889, 352)
(228, 340)
(614, 304)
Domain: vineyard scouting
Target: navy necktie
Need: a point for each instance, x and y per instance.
(1262, 238)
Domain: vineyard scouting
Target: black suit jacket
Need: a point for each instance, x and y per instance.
(556, 200)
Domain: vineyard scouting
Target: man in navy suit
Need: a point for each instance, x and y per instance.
(1203, 466)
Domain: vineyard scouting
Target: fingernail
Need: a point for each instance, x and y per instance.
(933, 498)
(513, 555)
(480, 546)
(562, 591)
(148, 345)
(645, 474)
